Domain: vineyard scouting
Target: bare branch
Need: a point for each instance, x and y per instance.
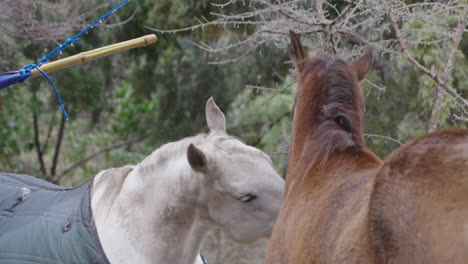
(256, 87)
(49, 131)
(371, 84)
(391, 27)
(97, 153)
(440, 92)
(37, 142)
(224, 5)
(464, 119)
(343, 13)
(463, 103)
(247, 52)
(319, 8)
(270, 126)
(58, 143)
(383, 137)
(121, 22)
(270, 98)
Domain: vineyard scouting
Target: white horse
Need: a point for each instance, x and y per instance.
(160, 210)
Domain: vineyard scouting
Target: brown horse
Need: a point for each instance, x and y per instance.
(342, 203)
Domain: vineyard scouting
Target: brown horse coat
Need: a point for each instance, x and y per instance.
(342, 204)
(419, 206)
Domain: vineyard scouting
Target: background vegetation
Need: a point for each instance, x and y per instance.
(125, 106)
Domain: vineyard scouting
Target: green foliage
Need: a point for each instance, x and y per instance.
(159, 92)
(263, 119)
(12, 129)
(128, 114)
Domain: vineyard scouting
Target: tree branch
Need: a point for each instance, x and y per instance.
(383, 137)
(343, 13)
(319, 7)
(49, 132)
(278, 91)
(270, 126)
(52, 177)
(440, 92)
(461, 118)
(303, 22)
(97, 153)
(442, 83)
(38, 145)
(121, 22)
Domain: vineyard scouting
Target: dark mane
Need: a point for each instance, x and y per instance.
(338, 102)
(343, 96)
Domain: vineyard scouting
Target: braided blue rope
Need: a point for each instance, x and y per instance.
(26, 70)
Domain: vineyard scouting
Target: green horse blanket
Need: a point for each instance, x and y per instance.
(44, 223)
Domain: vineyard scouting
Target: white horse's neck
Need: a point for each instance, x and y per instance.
(154, 215)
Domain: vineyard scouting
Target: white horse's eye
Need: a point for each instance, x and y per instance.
(247, 198)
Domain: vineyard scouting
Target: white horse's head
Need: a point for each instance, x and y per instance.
(241, 191)
(159, 210)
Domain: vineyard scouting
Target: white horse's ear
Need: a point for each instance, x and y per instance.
(196, 158)
(215, 117)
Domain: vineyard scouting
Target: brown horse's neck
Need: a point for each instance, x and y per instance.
(322, 152)
(332, 184)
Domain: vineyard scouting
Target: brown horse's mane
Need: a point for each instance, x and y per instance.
(338, 127)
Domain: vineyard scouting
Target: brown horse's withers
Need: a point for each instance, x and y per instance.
(342, 204)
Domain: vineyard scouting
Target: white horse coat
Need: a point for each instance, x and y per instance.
(160, 210)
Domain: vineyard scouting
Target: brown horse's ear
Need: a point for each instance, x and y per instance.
(361, 66)
(296, 51)
(196, 158)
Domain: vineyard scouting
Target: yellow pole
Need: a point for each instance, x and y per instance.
(96, 53)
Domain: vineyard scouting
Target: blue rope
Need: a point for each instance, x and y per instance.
(55, 91)
(26, 70)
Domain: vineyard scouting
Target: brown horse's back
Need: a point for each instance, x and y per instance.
(419, 205)
(332, 225)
